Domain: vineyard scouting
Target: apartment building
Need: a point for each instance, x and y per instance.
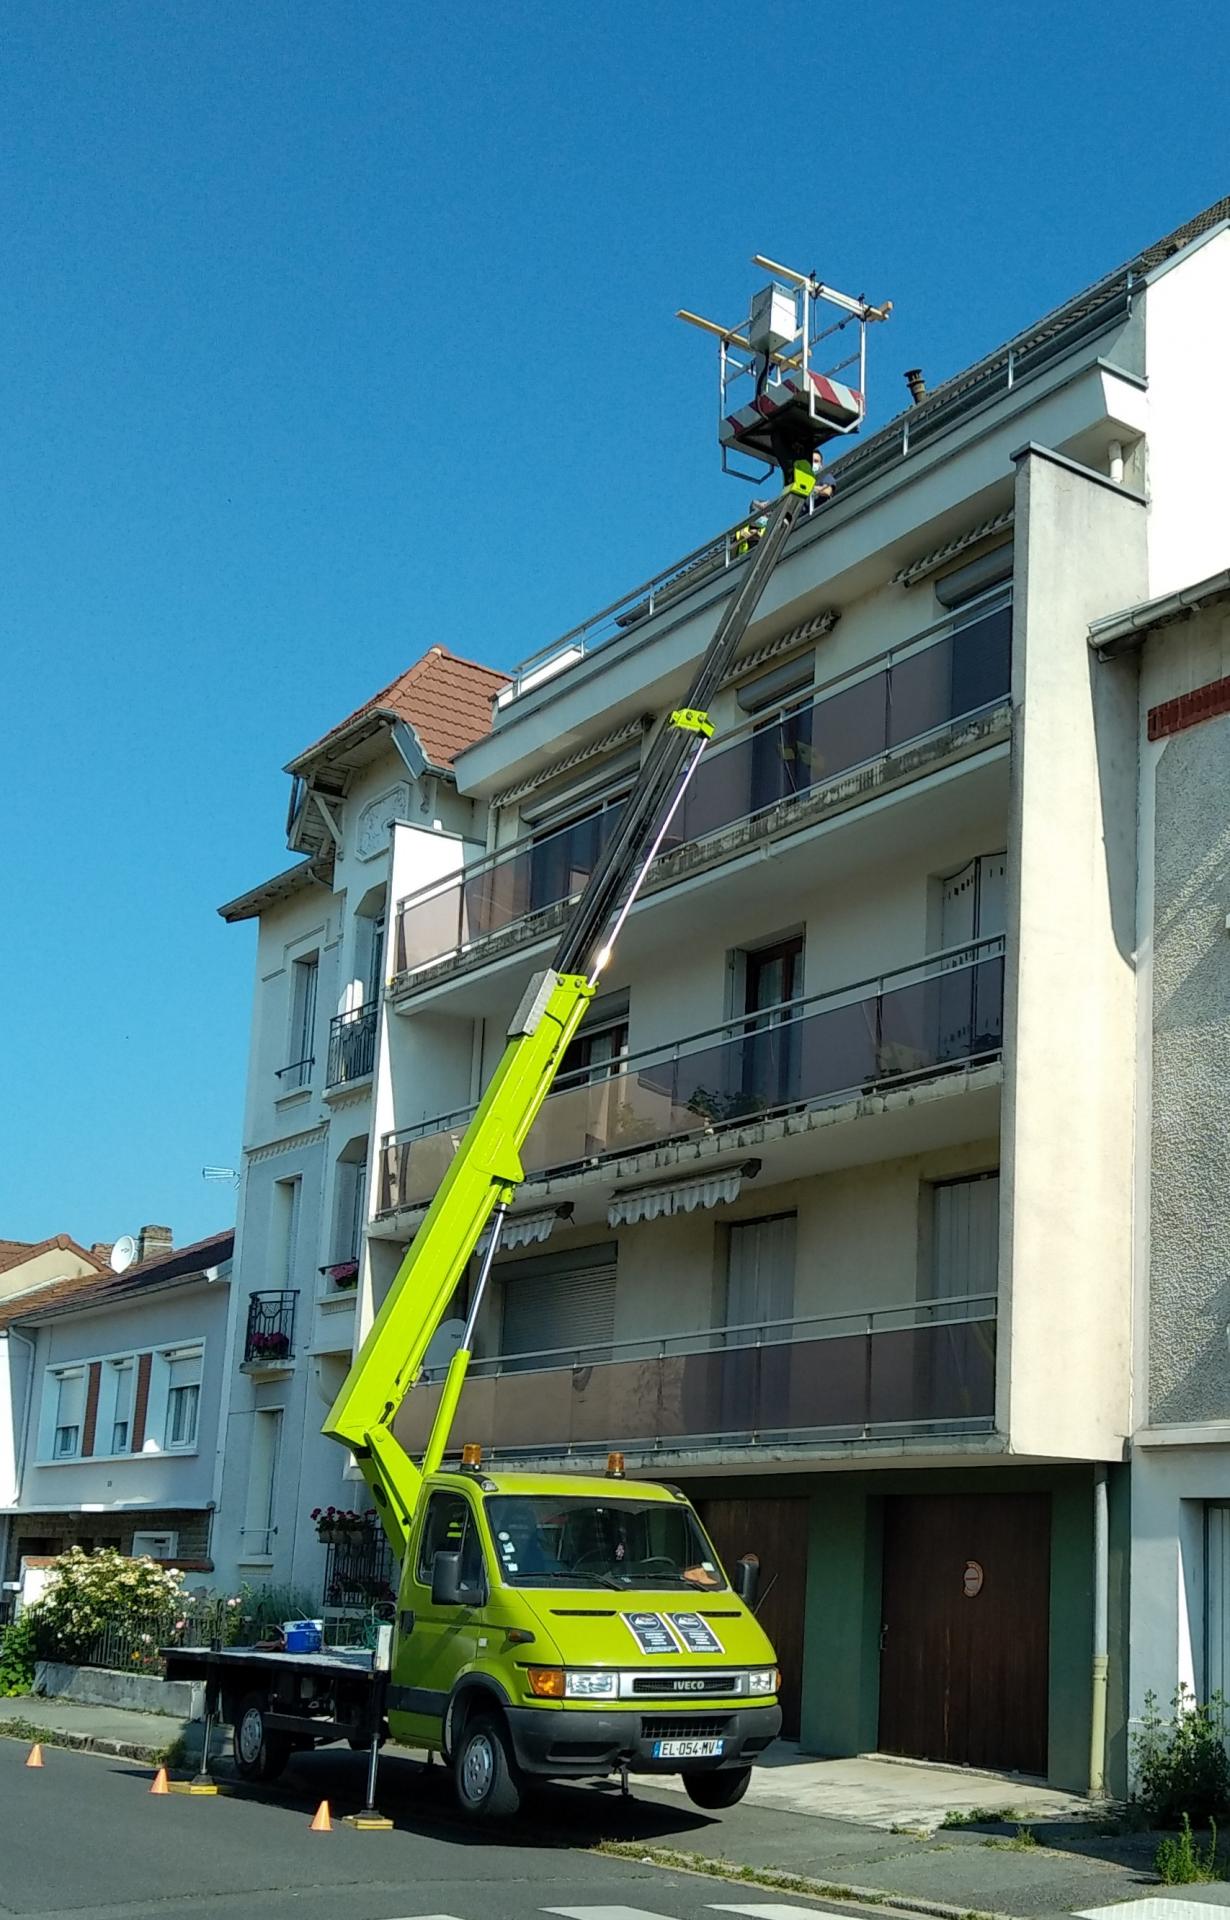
(377, 791)
(1175, 652)
(111, 1385)
(833, 1216)
(830, 1219)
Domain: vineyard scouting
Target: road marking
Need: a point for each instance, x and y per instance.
(775, 1912)
(607, 1913)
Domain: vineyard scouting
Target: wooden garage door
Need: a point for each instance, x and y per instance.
(777, 1531)
(964, 1660)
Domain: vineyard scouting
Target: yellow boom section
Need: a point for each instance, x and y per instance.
(485, 1170)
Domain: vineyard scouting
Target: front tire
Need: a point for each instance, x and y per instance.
(484, 1771)
(716, 1790)
(259, 1753)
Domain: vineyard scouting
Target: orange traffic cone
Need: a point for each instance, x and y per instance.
(322, 1822)
(35, 1756)
(160, 1782)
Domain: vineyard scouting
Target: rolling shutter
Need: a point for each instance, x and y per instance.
(559, 1300)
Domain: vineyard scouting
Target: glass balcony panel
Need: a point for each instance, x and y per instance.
(932, 1375)
(616, 1404)
(431, 927)
(848, 728)
(532, 1410)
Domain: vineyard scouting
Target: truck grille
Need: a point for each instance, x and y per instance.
(688, 1685)
(683, 1726)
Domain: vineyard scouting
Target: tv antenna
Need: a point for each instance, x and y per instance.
(228, 1174)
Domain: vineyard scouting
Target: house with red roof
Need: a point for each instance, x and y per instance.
(111, 1389)
(374, 816)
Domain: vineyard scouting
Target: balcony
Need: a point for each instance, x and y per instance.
(937, 1016)
(352, 1045)
(269, 1343)
(770, 778)
(924, 1371)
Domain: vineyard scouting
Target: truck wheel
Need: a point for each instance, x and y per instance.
(714, 1790)
(259, 1753)
(484, 1772)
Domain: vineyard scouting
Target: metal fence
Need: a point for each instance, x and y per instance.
(136, 1646)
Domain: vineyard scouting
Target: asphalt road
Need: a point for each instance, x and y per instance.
(82, 1837)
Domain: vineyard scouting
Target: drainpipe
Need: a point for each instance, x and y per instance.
(1114, 461)
(1101, 1637)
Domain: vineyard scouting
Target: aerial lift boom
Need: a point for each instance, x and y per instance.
(486, 1170)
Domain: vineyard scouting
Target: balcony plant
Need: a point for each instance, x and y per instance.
(268, 1346)
(345, 1275)
(340, 1526)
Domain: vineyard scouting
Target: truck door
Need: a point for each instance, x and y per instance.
(444, 1640)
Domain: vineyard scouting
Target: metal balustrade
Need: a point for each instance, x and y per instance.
(941, 1013)
(926, 1368)
(952, 671)
(270, 1336)
(352, 1044)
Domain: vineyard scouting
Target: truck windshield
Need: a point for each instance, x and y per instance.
(541, 1540)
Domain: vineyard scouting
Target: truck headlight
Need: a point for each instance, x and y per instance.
(763, 1680)
(591, 1686)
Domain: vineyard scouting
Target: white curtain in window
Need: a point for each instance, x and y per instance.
(760, 1274)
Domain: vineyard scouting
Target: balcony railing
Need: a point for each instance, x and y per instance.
(352, 1044)
(925, 1369)
(270, 1337)
(942, 1013)
(950, 672)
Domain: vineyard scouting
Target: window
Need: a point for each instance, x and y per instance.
(183, 1398)
(69, 1413)
(123, 1380)
(375, 957)
(450, 1527)
(260, 1504)
(766, 1062)
(563, 857)
(154, 1546)
(284, 1232)
(760, 1256)
(970, 993)
(304, 977)
(964, 1237)
(781, 760)
(558, 1300)
(350, 1203)
(602, 1044)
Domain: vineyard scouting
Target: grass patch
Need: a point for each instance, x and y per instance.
(722, 1869)
(1180, 1862)
(977, 1816)
(912, 1833)
(1019, 1842)
(29, 1730)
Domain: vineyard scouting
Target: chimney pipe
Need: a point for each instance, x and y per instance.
(917, 385)
(152, 1242)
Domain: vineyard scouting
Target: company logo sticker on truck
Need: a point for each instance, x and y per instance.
(651, 1633)
(695, 1635)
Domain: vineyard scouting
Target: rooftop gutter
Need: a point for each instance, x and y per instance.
(1120, 633)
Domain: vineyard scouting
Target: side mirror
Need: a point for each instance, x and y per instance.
(446, 1587)
(747, 1578)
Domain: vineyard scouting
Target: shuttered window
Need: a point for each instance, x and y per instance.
(70, 1413)
(559, 1300)
(183, 1397)
(965, 1237)
(1217, 1601)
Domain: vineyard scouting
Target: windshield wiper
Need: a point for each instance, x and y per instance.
(574, 1579)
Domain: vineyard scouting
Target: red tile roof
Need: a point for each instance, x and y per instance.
(14, 1252)
(92, 1290)
(445, 698)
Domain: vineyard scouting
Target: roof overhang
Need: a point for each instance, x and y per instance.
(1125, 632)
(283, 886)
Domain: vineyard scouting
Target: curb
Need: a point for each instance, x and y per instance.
(734, 1871)
(85, 1742)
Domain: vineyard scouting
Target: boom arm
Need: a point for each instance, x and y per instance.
(486, 1169)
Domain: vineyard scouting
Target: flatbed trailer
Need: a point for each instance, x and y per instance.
(282, 1703)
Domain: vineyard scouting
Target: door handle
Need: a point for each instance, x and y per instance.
(883, 1635)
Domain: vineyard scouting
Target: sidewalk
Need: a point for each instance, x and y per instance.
(860, 1830)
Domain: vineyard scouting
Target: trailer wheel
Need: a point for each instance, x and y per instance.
(484, 1771)
(259, 1753)
(715, 1790)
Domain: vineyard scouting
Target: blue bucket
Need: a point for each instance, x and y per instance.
(303, 1636)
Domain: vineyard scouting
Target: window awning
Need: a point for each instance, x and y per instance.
(939, 556)
(680, 1196)
(527, 1229)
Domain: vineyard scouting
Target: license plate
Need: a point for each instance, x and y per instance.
(687, 1749)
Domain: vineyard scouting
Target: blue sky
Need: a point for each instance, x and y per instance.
(252, 247)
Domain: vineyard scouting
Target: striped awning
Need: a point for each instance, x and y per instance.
(679, 1196)
(940, 556)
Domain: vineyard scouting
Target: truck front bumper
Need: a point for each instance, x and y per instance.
(570, 1742)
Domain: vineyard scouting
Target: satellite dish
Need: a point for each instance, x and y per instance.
(123, 1253)
(444, 1344)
